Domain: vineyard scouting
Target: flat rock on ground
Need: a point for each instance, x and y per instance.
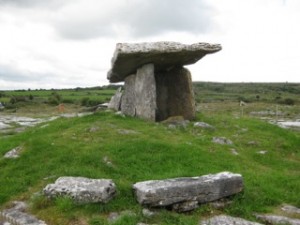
(82, 190)
(227, 220)
(17, 216)
(187, 191)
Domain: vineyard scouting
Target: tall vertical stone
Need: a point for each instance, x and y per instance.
(145, 92)
(175, 96)
(128, 98)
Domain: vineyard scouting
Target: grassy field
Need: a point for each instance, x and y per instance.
(82, 147)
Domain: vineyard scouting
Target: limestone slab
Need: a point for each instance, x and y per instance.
(128, 57)
(82, 190)
(202, 189)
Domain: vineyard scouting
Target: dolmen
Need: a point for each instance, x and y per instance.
(157, 85)
(186, 193)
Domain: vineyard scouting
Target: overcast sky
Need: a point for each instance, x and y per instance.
(69, 43)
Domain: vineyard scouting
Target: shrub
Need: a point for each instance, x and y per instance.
(54, 99)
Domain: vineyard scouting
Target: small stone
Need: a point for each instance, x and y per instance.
(227, 220)
(185, 206)
(82, 190)
(222, 141)
(221, 204)
(203, 125)
(290, 209)
(262, 152)
(234, 152)
(280, 220)
(148, 213)
(14, 153)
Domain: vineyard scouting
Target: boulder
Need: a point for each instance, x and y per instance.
(115, 101)
(82, 190)
(128, 57)
(203, 189)
(227, 220)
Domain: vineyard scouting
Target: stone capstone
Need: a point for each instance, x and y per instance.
(128, 57)
(187, 192)
(157, 86)
(82, 190)
(227, 220)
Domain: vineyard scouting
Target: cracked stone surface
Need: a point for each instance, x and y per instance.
(17, 216)
(227, 220)
(82, 190)
(275, 219)
(160, 193)
(130, 56)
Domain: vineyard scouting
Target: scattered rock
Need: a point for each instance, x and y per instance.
(176, 121)
(122, 131)
(221, 204)
(234, 152)
(82, 190)
(185, 206)
(94, 129)
(148, 213)
(17, 216)
(274, 219)
(290, 209)
(114, 216)
(203, 125)
(262, 152)
(208, 188)
(222, 141)
(107, 161)
(14, 153)
(227, 220)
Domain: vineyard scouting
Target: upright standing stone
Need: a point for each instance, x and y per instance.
(128, 98)
(175, 96)
(145, 93)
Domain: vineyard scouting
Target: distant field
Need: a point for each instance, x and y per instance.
(281, 93)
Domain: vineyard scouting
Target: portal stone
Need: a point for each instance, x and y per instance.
(175, 96)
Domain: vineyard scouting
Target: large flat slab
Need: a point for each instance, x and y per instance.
(202, 189)
(164, 55)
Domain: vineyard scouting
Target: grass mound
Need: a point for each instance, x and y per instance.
(128, 150)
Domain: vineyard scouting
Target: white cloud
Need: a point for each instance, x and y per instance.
(70, 43)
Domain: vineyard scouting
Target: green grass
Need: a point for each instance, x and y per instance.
(69, 147)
